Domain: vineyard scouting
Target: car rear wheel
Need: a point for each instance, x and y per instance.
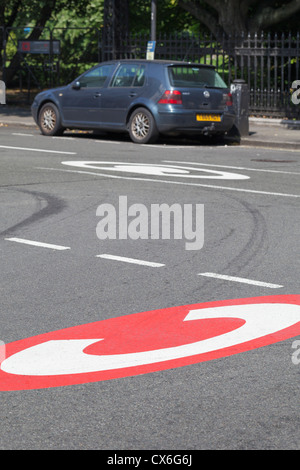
(49, 120)
(142, 127)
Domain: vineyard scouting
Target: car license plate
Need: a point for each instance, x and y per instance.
(208, 117)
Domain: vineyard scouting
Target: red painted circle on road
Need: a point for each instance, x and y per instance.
(147, 342)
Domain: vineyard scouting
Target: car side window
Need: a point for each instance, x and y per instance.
(139, 78)
(129, 75)
(97, 76)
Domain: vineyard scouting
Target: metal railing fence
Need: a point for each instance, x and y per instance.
(269, 63)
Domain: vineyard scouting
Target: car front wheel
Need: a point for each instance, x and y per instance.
(142, 127)
(49, 120)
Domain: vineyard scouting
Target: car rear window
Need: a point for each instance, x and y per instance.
(195, 77)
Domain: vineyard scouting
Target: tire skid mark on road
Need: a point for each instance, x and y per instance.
(255, 246)
(54, 205)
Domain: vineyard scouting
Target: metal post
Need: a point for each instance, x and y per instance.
(153, 20)
(240, 96)
(4, 56)
(116, 28)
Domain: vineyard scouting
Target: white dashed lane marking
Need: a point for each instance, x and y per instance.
(8, 147)
(130, 260)
(240, 279)
(38, 244)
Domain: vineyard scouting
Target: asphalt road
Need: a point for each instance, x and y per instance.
(248, 400)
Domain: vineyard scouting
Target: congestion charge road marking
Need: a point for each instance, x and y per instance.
(156, 169)
(264, 170)
(182, 183)
(148, 342)
(39, 244)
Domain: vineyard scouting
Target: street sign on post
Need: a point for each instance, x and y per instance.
(150, 50)
(39, 47)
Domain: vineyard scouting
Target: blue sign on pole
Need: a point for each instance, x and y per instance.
(150, 50)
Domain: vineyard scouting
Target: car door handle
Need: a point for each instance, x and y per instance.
(97, 95)
(132, 94)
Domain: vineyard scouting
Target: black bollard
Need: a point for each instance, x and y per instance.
(240, 98)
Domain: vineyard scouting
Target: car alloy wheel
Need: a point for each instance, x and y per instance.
(49, 120)
(142, 127)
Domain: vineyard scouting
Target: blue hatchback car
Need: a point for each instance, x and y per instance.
(142, 97)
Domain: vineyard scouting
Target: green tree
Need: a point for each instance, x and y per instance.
(237, 16)
(170, 17)
(37, 16)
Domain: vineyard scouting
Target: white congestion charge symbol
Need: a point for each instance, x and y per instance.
(157, 170)
(59, 357)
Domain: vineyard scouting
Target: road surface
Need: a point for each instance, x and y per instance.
(57, 273)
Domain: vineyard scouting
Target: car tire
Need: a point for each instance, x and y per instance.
(142, 127)
(49, 120)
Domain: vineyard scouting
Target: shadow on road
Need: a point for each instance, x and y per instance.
(201, 141)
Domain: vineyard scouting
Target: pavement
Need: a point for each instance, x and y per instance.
(263, 132)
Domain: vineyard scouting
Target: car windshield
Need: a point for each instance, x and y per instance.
(195, 77)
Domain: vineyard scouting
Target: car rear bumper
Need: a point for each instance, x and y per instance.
(186, 121)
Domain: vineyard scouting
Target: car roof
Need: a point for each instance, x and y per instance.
(159, 61)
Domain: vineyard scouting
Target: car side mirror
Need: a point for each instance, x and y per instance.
(76, 85)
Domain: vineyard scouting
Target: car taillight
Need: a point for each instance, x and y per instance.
(228, 99)
(171, 97)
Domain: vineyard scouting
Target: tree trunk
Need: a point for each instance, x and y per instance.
(234, 17)
(231, 17)
(219, 16)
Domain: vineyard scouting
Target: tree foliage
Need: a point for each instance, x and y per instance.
(33, 20)
(237, 16)
(171, 17)
(14, 13)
